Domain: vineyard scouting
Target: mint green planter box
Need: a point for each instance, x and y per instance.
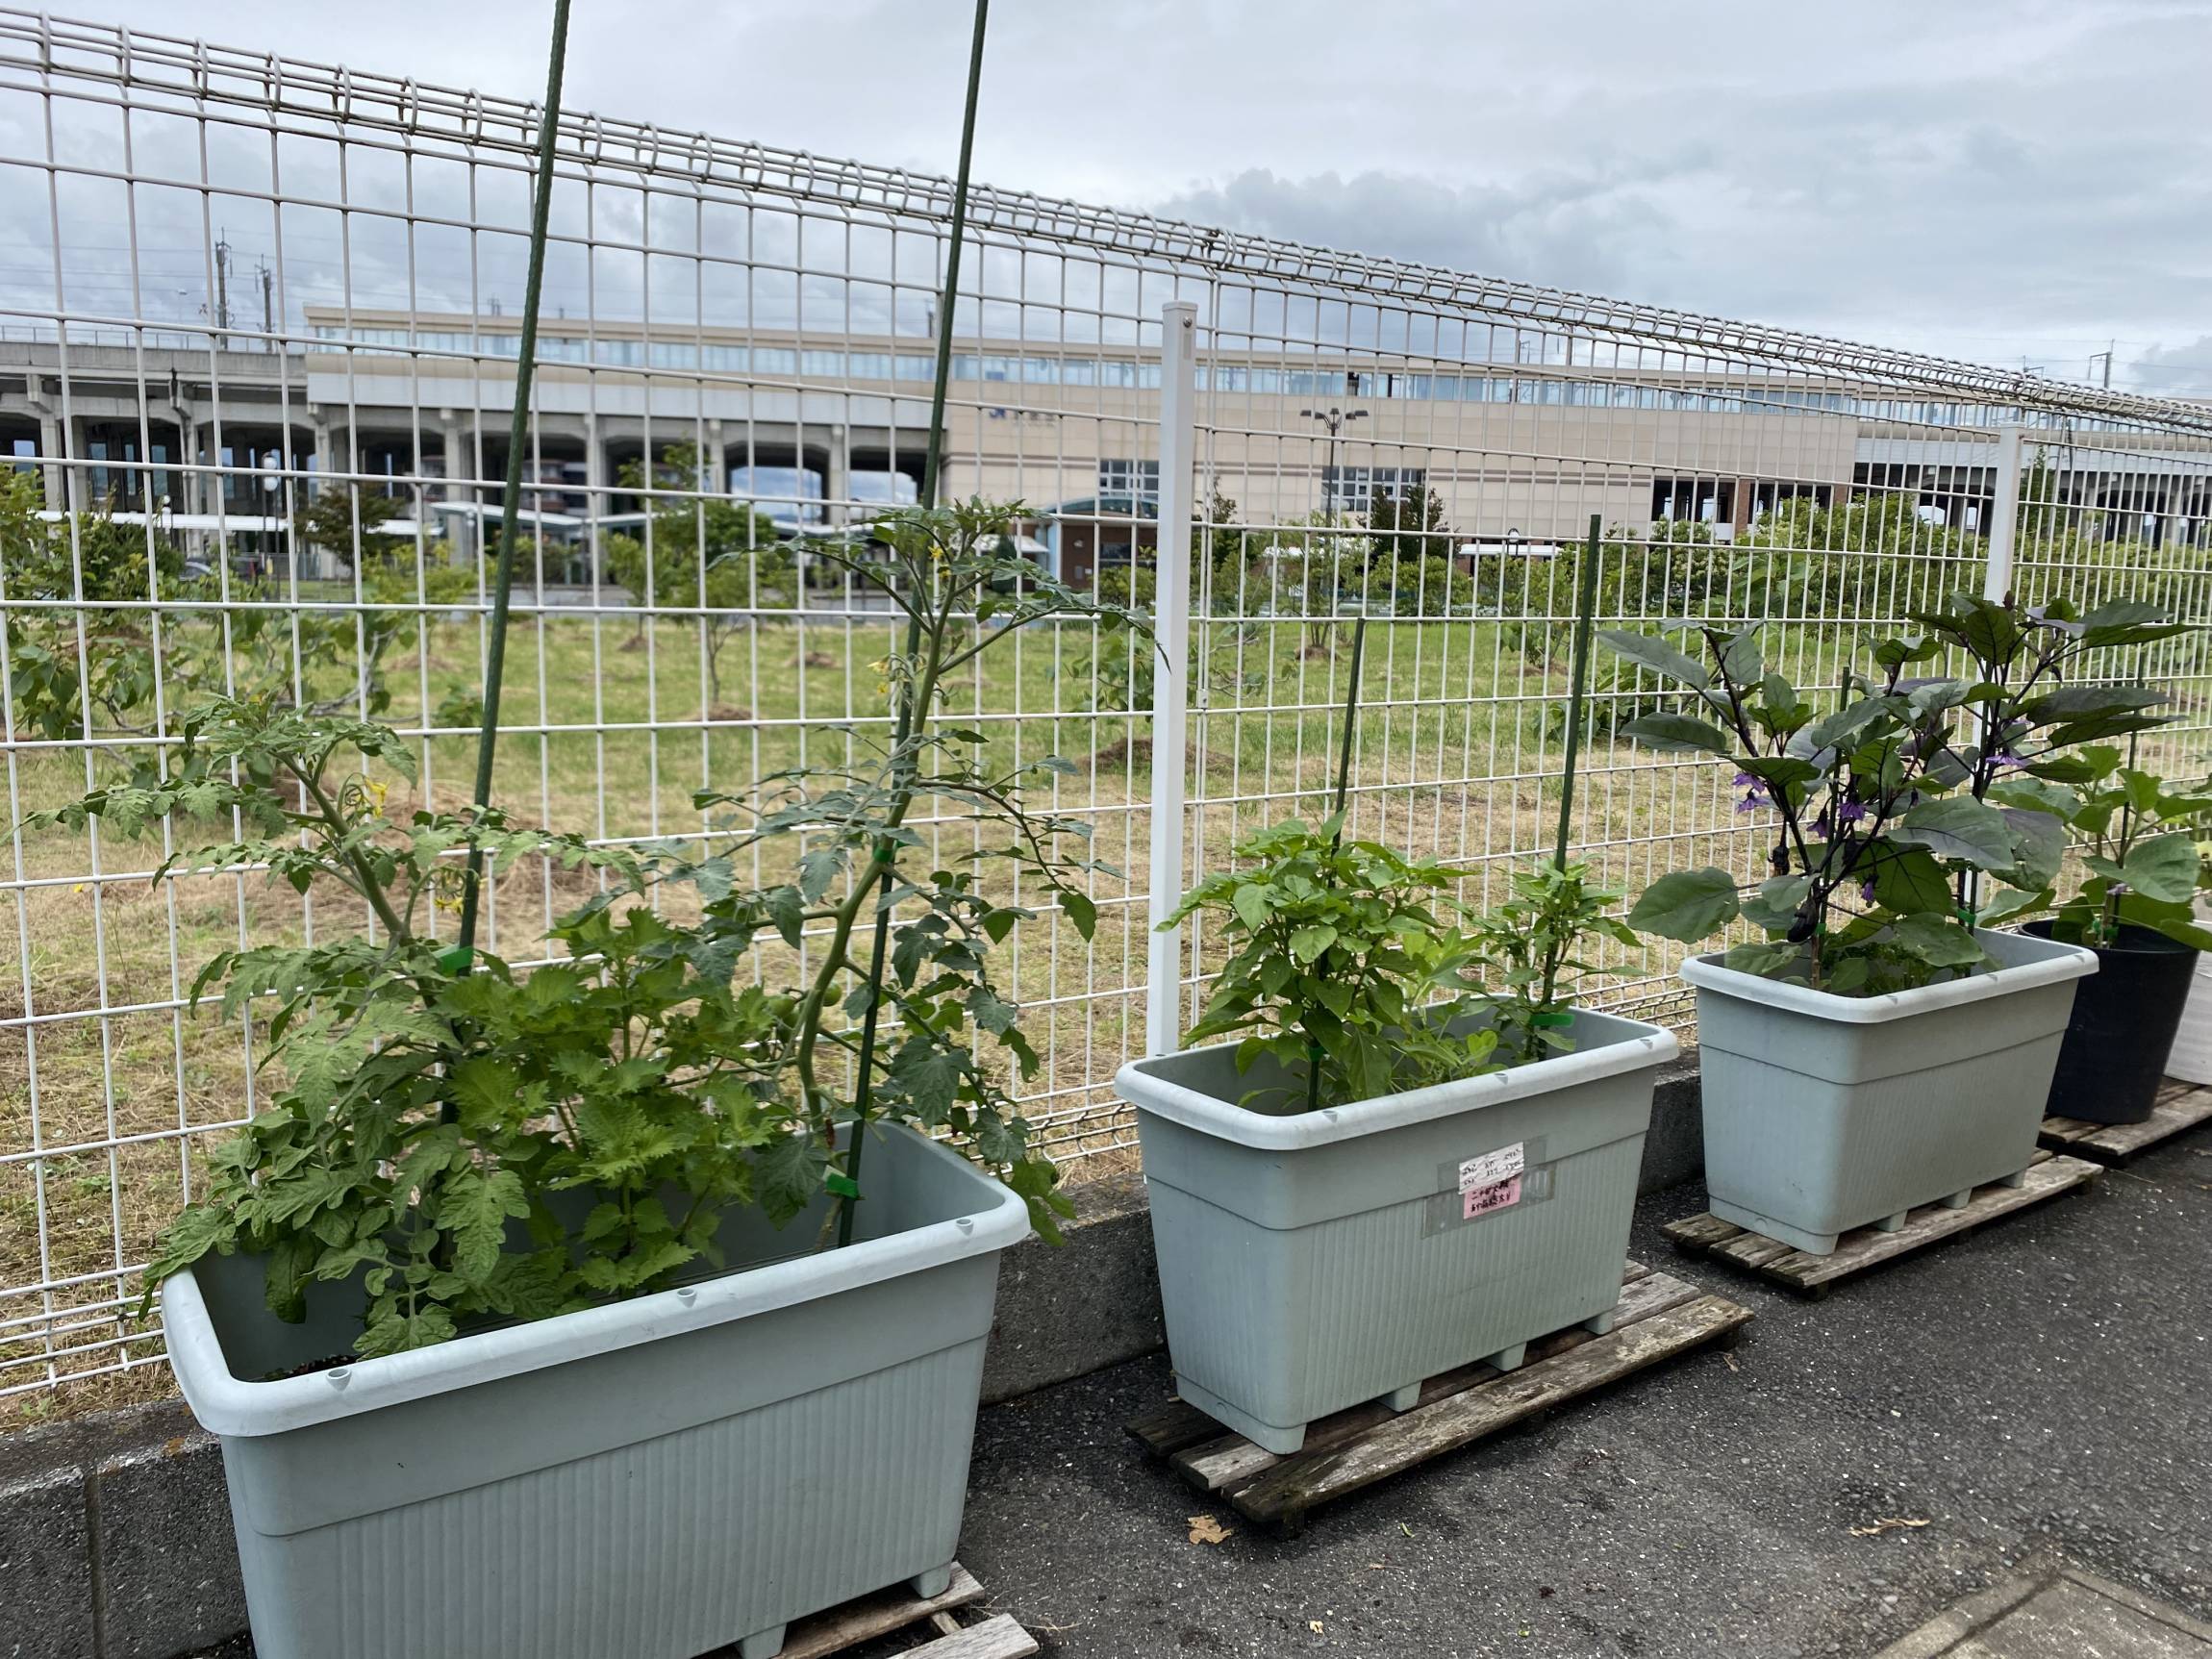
(654, 1479)
(1825, 1112)
(1314, 1261)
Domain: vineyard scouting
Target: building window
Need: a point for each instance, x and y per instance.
(1137, 479)
(1353, 489)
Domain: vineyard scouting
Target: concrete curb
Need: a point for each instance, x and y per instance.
(115, 1530)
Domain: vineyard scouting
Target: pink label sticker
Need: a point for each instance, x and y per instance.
(1483, 1200)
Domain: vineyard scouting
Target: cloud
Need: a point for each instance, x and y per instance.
(2173, 371)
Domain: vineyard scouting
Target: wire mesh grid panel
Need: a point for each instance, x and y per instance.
(1436, 473)
(259, 323)
(262, 329)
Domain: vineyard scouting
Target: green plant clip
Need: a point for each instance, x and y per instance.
(843, 1186)
(1549, 1020)
(458, 960)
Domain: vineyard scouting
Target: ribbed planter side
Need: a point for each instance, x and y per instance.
(1312, 1261)
(2191, 1057)
(699, 1469)
(1826, 1113)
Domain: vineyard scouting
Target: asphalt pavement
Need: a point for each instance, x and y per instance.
(2039, 1390)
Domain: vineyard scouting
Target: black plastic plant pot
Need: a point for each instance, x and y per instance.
(2124, 1017)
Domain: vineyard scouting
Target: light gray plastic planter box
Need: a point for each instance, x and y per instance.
(1825, 1112)
(654, 1479)
(1312, 1261)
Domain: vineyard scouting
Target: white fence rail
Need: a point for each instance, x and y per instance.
(242, 291)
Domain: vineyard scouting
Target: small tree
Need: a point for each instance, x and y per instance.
(1409, 527)
(720, 554)
(350, 525)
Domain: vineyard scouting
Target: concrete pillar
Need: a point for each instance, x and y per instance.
(837, 483)
(50, 445)
(325, 454)
(717, 459)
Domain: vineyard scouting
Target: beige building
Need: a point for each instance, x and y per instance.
(826, 429)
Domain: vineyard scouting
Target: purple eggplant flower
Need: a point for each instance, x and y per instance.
(1745, 780)
(1753, 800)
(1851, 813)
(1867, 892)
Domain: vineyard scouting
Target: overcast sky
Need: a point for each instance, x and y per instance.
(2007, 180)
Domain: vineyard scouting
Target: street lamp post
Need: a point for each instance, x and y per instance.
(1336, 420)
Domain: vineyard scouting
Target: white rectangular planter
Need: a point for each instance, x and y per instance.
(1312, 1261)
(1825, 1112)
(655, 1478)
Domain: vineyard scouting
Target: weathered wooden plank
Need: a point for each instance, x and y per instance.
(2180, 1106)
(874, 1616)
(1232, 1458)
(1169, 1427)
(995, 1638)
(1749, 1249)
(1698, 1234)
(1296, 1484)
(1867, 1248)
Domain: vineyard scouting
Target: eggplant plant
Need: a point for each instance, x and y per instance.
(1886, 805)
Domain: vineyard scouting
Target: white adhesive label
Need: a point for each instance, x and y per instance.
(1492, 1168)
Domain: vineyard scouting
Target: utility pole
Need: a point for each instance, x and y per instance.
(2106, 354)
(268, 309)
(222, 283)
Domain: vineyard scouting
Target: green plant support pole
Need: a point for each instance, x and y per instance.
(1585, 613)
(1343, 792)
(846, 1184)
(511, 498)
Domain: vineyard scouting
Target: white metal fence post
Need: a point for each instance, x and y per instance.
(2005, 516)
(1170, 671)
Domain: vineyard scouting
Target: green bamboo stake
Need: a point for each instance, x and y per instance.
(511, 499)
(1585, 613)
(1314, 1054)
(845, 1183)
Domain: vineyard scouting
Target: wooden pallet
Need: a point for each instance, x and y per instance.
(1657, 1317)
(2180, 1106)
(947, 1626)
(2046, 1177)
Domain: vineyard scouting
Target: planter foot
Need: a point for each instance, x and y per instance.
(1508, 1359)
(1403, 1398)
(1890, 1223)
(765, 1646)
(1600, 1324)
(931, 1584)
(1958, 1200)
(2018, 1178)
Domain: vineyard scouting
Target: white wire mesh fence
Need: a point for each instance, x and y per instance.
(257, 331)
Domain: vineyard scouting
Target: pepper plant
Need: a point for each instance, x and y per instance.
(1529, 944)
(1345, 962)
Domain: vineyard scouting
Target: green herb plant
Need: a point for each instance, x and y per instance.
(2135, 837)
